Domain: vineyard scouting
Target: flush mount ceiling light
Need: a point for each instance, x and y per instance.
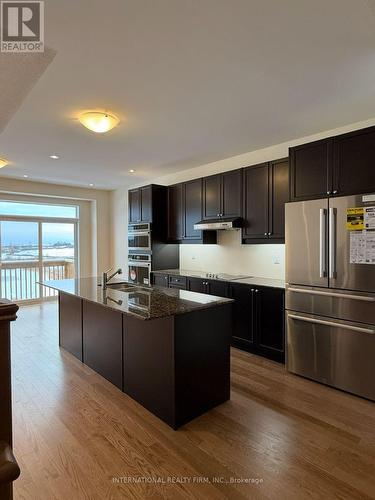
(3, 162)
(132, 171)
(98, 122)
(54, 157)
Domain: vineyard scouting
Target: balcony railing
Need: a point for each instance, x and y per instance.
(19, 279)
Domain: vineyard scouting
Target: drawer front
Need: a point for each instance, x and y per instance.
(334, 303)
(177, 280)
(336, 353)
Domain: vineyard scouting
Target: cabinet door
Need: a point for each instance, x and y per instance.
(175, 218)
(269, 322)
(231, 193)
(134, 205)
(192, 208)
(211, 197)
(160, 279)
(279, 195)
(354, 160)
(102, 341)
(311, 170)
(70, 324)
(146, 203)
(256, 190)
(196, 285)
(218, 288)
(243, 331)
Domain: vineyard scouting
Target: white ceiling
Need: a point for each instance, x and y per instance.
(193, 81)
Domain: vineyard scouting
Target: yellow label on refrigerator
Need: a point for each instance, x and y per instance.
(355, 219)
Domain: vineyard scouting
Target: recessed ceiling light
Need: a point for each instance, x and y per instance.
(26, 176)
(132, 171)
(98, 122)
(54, 157)
(91, 185)
(3, 162)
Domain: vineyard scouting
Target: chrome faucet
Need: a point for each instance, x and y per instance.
(107, 278)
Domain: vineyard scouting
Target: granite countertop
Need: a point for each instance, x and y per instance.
(250, 280)
(140, 301)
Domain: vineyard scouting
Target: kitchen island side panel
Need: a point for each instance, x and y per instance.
(70, 324)
(202, 361)
(148, 354)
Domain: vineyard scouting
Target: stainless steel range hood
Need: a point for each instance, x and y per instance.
(221, 224)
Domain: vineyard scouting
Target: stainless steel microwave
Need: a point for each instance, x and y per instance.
(139, 237)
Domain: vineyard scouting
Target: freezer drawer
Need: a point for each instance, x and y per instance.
(331, 302)
(336, 353)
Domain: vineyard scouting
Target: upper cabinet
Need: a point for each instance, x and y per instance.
(134, 205)
(140, 204)
(222, 195)
(265, 192)
(353, 162)
(310, 170)
(145, 202)
(175, 218)
(185, 210)
(337, 166)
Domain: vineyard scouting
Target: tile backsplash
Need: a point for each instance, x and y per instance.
(229, 256)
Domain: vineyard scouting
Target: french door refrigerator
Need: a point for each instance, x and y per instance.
(330, 292)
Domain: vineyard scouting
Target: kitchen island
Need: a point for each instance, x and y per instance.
(168, 349)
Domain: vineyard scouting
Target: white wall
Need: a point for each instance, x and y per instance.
(229, 256)
(95, 216)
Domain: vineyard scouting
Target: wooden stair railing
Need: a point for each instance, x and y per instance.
(9, 470)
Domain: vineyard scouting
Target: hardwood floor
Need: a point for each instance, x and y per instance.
(76, 436)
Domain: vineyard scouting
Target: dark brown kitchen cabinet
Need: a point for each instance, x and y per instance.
(243, 316)
(311, 170)
(196, 285)
(278, 196)
(160, 279)
(222, 195)
(175, 213)
(192, 213)
(258, 320)
(70, 324)
(269, 322)
(266, 190)
(102, 341)
(353, 162)
(210, 287)
(146, 201)
(256, 202)
(134, 205)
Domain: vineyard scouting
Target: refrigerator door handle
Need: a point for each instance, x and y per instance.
(364, 298)
(332, 323)
(322, 243)
(332, 242)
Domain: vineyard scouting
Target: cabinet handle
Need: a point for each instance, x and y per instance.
(335, 191)
(328, 192)
(265, 234)
(252, 290)
(269, 234)
(256, 291)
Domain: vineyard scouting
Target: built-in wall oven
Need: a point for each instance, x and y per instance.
(139, 237)
(139, 268)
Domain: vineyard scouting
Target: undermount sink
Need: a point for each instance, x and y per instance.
(127, 288)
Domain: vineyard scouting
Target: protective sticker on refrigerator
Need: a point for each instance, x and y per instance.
(355, 219)
(369, 217)
(362, 247)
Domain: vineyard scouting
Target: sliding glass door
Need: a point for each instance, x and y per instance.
(34, 249)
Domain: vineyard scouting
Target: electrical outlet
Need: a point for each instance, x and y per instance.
(276, 260)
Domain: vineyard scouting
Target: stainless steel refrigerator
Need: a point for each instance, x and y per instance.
(330, 292)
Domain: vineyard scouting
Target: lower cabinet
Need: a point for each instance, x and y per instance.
(258, 312)
(258, 320)
(102, 341)
(160, 279)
